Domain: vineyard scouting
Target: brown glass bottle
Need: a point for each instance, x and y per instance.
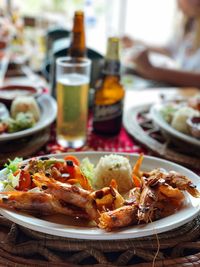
(78, 45)
(109, 93)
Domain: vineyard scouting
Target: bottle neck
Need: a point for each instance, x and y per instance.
(78, 45)
(112, 61)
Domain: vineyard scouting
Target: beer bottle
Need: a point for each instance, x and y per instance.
(78, 45)
(109, 93)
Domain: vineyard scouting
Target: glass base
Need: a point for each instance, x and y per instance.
(71, 144)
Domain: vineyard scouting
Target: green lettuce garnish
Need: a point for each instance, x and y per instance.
(13, 165)
(11, 181)
(87, 169)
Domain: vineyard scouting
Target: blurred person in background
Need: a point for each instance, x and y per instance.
(184, 48)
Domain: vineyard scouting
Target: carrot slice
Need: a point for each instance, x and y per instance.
(137, 166)
(136, 175)
(82, 181)
(136, 181)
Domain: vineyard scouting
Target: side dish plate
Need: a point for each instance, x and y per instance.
(156, 115)
(48, 108)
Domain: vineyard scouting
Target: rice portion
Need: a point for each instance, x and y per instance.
(113, 167)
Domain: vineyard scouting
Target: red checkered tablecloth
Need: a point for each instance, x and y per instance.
(118, 143)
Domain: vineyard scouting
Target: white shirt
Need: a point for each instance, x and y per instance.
(180, 49)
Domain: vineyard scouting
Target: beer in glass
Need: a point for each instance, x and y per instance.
(72, 84)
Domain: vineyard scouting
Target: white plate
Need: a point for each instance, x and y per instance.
(156, 115)
(187, 213)
(48, 108)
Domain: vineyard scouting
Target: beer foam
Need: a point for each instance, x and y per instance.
(73, 79)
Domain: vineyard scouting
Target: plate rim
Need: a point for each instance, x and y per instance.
(101, 234)
(37, 127)
(159, 120)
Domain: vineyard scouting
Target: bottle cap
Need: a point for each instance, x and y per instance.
(79, 13)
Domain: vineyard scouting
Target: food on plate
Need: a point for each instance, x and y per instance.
(179, 121)
(124, 216)
(21, 122)
(39, 203)
(43, 186)
(194, 126)
(66, 192)
(25, 104)
(24, 114)
(178, 114)
(168, 112)
(113, 167)
(194, 102)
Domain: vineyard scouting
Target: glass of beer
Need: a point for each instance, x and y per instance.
(72, 84)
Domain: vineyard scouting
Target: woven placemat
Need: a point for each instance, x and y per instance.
(21, 247)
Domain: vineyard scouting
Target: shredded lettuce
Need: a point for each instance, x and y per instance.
(13, 165)
(11, 181)
(87, 169)
(8, 188)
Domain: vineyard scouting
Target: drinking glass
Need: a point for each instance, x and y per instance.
(72, 84)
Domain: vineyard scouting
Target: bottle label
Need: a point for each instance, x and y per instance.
(108, 112)
(112, 67)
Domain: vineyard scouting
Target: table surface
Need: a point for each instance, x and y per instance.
(122, 142)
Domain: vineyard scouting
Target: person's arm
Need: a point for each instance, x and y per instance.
(128, 42)
(161, 50)
(175, 77)
(171, 76)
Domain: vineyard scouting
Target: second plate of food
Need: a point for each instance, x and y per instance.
(27, 118)
(175, 129)
(118, 219)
